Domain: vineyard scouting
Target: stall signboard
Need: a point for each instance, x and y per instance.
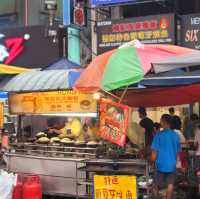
(110, 2)
(109, 187)
(52, 102)
(190, 30)
(155, 29)
(1, 115)
(113, 121)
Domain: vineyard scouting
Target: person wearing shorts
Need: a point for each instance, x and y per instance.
(161, 179)
(165, 148)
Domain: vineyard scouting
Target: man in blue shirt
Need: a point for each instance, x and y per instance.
(165, 148)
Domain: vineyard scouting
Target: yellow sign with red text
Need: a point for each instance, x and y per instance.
(52, 102)
(115, 187)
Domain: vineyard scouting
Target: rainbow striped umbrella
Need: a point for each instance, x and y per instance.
(128, 65)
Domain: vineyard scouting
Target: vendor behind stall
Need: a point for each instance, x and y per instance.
(147, 124)
(55, 124)
(73, 129)
(77, 131)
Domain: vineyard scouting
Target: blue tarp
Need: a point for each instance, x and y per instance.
(3, 95)
(62, 64)
(72, 77)
(172, 78)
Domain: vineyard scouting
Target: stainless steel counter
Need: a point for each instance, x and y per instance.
(58, 175)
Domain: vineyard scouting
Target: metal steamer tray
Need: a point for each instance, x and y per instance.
(53, 150)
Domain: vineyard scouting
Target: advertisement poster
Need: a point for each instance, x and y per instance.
(1, 115)
(110, 187)
(155, 29)
(52, 102)
(27, 47)
(190, 29)
(113, 121)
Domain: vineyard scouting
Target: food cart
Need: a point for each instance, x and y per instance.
(68, 169)
(56, 163)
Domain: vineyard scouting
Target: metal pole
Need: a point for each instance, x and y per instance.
(63, 41)
(26, 12)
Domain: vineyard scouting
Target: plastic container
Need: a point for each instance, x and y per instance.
(17, 190)
(32, 188)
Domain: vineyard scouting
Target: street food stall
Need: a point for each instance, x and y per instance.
(116, 156)
(54, 158)
(66, 163)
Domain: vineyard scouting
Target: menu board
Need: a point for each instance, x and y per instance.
(113, 122)
(52, 102)
(110, 187)
(154, 29)
(190, 30)
(1, 115)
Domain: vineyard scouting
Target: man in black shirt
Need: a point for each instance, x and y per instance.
(175, 119)
(148, 125)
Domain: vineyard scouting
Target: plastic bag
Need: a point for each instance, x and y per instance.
(7, 182)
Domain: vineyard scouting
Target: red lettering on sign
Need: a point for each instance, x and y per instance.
(115, 28)
(15, 46)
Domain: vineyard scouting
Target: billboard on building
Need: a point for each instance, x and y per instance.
(190, 31)
(154, 29)
(27, 47)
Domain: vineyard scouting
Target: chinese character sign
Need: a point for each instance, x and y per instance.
(156, 29)
(191, 31)
(52, 102)
(115, 187)
(113, 121)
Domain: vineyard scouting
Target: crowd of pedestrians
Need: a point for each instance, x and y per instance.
(164, 142)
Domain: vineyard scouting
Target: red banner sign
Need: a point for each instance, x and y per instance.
(113, 121)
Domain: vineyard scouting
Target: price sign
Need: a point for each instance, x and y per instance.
(111, 187)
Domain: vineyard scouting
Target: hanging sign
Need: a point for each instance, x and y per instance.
(113, 121)
(52, 102)
(190, 30)
(155, 29)
(110, 187)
